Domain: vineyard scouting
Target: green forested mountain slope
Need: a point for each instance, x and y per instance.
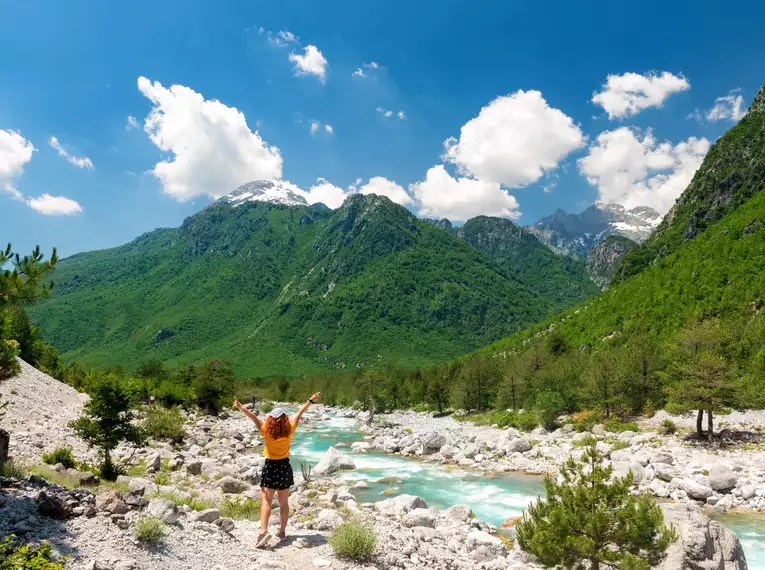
(719, 274)
(287, 290)
(732, 171)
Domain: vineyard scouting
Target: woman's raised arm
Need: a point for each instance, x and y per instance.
(304, 407)
(248, 413)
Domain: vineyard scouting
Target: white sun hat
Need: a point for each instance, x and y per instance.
(276, 413)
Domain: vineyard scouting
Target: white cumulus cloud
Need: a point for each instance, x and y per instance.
(314, 127)
(442, 196)
(78, 161)
(54, 205)
(730, 106)
(383, 187)
(326, 193)
(15, 152)
(329, 129)
(312, 62)
(212, 150)
(514, 140)
(632, 169)
(132, 123)
(628, 94)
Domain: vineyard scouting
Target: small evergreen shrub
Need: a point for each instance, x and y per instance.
(62, 455)
(240, 508)
(149, 529)
(266, 407)
(353, 539)
(164, 423)
(14, 556)
(668, 427)
(9, 366)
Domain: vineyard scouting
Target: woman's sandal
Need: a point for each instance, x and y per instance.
(281, 535)
(263, 540)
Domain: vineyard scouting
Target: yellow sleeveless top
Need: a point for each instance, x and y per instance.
(277, 448)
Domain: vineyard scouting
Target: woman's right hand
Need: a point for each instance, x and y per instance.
(237, 405)
(316, 396)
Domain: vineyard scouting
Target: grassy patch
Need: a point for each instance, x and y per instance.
(13, 469)
(240, 508)
(149, 530)
(524, 421)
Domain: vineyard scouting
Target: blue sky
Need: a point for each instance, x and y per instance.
(71, 71)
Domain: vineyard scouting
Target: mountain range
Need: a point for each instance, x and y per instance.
(283, 288)
(577, 234)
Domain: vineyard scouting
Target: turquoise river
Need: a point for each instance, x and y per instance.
(493, 497)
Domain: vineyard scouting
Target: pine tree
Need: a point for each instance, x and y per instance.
(639, 363)
(214, 385)
(591, 521)
(600, 378)
(107, 421)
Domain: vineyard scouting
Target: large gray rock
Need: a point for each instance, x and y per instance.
(112, 503)
(143, 485)
(520, 445)
(489, 546)
(664, 471)
(194, 468)
(232, 485)
(207, 515)
(400, 505)
(722, 478)
(333, 461)
(433, 441)
(419, 517)
(704, 544)
(164, 510)
(696, 490)
(459, 512)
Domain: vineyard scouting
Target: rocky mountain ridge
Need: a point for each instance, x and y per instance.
(576, 234)
(604, 258)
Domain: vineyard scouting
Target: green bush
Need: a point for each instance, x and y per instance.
(164, 423)
(617, 445)
(353, 539)
(149, 529)
(584, 421)
(266, 407)
(9, 350)
(240, 508)
(161, 478)
(13, 469)
(62, 455)
(668, 427)
(27, 556)
(617, 425)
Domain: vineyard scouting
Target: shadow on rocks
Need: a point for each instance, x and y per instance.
(34, 511)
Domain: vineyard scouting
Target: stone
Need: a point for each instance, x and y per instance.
(447, 451)
(520, 445)
(696, 490)
(567, 428)
(5, 439)
(419, 517)
(225, 524)
(135, 499)
(459, 512)
(328, 519)
(659, 488)
(539, 431)
(433, 441)
(154, 462)
(360, 447)
(83, 478)
(748, 491)
(400, 505)
(661, 457)
(703, 543)
(722, 478)
(140, 484)
(321, 562)
(664, 471)
(599, 429)
(626, 435)
(581, 437)
(478, 539)
(176, 463)
(232, 485)
(164, 510)
(112, 503)
(207, 516)
(333, 461)
(194, 468)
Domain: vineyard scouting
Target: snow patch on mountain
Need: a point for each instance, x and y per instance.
(275, 192)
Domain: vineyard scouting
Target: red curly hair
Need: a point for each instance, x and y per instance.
(278, 428)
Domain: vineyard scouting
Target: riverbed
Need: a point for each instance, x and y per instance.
(494, 497)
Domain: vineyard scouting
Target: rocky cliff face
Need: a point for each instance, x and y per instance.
(732, 172)
(604, 258)
(577, 234)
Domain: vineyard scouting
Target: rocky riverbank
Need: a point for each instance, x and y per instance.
(190, 485)
(667, 466)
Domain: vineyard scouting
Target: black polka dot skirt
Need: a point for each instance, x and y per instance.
(277, 474)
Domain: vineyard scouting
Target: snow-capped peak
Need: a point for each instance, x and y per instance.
(278, 192)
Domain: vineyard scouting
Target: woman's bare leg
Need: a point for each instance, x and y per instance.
(283, 496)
(266, 497)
